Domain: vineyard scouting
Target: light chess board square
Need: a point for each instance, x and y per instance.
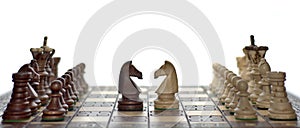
(96, 109)
(193, 113)
(168, 119)
(130, 113)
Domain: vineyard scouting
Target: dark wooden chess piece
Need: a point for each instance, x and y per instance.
(74, 74)
(53, 64)
(63, 93)
(34, 102)
(66, 94)
(73, 83)
(34, 82)
(18, 107)
(69, 83)
(130, 100)
(42, 55)
(54, 111)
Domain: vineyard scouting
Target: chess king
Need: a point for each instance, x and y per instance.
(166, 91)
(130, 100)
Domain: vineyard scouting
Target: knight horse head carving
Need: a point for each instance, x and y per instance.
(170, 83)
(127, 87)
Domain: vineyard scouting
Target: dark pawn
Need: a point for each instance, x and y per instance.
(18, 107)
(54, 111)
(66, 94)
(32, 100)
(83, 83)
(76, 81)
(68, 84)
(63, 93)
(73, 84)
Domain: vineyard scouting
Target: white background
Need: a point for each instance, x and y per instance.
(276, 24)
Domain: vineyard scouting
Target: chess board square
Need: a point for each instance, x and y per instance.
(90, 119)
(207, 118)
(98, 104)
(130, 113)
(198, 103)
(96, 109)
(129, 119)
(169, 125)
(93, 113)
(193, 113)
(103, 96)
(167, 119)
(38, 120)
(87, 124)
(128, 124)
(232, 119)
(210, 125)
(100, 100)
(166, 113)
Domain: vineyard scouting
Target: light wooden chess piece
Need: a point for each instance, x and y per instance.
(227, 85)
(263, 101)
(242, 63)
(280, 107)
(244, 110)
(130, 100)
(236, 97)
(166, 91)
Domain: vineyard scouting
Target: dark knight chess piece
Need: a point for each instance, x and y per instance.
(130, 100)
(54, 111)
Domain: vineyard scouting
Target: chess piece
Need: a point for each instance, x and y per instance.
(66, 94)
(130, 100)
(280, 107)
(18, 107)
(227, 85)
(34, 101)
(54, 64)
(231, 87)
(263, 101)
(213, 84)
(42, 56)
(166, 91)
(236, 97)
(54, 111)
(70, 83)
(63, 92)
(83, 83)
(34, 82)
(242, 63)
(78, 90)
(244, 110)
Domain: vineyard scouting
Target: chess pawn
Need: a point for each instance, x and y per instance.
(66, 94)
(83, 83)
(231, 91)
(236, 97)
(32, 100)
(256, 87)
(280, 107)
(227, 75)
(244, 110)
(54, 111)
(63, 93)
(68, 84)
(78, 89)
(18, 107)
(263, 101)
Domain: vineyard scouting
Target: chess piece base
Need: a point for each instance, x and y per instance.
(57, 115)
(245, 117)
(166, 102)
(129, 105)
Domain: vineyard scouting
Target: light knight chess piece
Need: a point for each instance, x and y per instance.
(166, 91)
(130, 100)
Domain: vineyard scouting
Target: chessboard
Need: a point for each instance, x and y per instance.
(198, 107)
